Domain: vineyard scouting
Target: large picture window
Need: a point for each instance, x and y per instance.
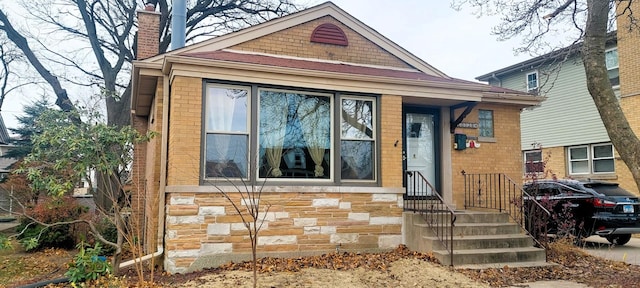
(591, 159)
(295, 135)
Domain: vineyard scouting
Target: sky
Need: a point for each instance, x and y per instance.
(455, 42)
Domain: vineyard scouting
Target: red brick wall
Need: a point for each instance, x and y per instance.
(148, 34)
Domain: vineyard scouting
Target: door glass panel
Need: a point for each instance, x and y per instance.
(420, 152)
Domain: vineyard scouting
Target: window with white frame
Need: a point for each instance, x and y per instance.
(294, 137)
(603, 158)
(591, 159)
(532, 81)
(611, 59)
(485, 123)
(533, 162)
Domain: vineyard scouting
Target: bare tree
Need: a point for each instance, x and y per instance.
(588, 22)
(102, 37)
(252, 211)
(8, 57)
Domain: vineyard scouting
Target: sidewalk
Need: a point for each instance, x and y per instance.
(629, 253)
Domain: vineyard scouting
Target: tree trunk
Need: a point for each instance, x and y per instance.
(119, 110)
(593, 55)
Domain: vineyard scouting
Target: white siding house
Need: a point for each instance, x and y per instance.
(567, 122)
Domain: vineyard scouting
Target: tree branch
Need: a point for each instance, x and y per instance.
(558, 10)
(21, 42)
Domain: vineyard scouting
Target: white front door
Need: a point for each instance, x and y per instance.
(420, 151)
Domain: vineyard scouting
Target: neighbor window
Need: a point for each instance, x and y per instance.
(532, 81)
(603, 158)
(297, 135)
(611, 58)
(587, 159)
(533, 162)
(485, 119)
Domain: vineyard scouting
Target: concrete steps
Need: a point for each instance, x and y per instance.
(483, 239)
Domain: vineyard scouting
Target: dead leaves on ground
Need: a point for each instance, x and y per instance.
(573, 265)
(334, 261)
(23, 268)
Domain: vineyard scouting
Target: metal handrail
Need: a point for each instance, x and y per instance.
(423, 198)
(496, 191)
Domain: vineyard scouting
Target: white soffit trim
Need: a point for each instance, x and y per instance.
(275, 25)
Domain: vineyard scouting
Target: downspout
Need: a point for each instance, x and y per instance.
(493, 76)
(163, 178)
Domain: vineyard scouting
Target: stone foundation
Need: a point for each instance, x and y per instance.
(205, 230)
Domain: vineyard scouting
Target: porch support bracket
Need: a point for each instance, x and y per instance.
(455, 121)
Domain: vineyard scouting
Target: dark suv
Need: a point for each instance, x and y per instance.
(598, 208)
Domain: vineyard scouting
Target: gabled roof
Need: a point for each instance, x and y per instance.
(417, 79)
(315, 64)
(291, 20)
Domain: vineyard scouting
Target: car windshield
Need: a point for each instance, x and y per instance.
(609, 189)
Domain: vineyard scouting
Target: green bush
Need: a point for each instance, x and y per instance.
(36, 236)
(88, 264)
(108, 230)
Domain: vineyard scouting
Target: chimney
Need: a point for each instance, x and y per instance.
(148, 32)
(178, 24)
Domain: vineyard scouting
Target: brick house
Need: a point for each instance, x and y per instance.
(566, 131)
(322, 113)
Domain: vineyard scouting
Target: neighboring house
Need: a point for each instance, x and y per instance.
(5, 166)
(5, 146)
(566, 131)
(323, 111)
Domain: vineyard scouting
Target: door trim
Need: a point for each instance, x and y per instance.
(430, 110)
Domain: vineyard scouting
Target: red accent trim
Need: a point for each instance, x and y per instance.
(328, 33)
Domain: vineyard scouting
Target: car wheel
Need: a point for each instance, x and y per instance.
(619, 239)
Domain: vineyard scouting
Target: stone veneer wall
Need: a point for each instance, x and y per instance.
(204, 230)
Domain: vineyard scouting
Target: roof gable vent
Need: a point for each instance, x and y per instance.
(328, 33)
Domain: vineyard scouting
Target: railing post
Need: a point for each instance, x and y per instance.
(500, 192)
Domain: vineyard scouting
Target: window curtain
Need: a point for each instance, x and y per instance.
(273, 124)
(220, 110)
(314, 115)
